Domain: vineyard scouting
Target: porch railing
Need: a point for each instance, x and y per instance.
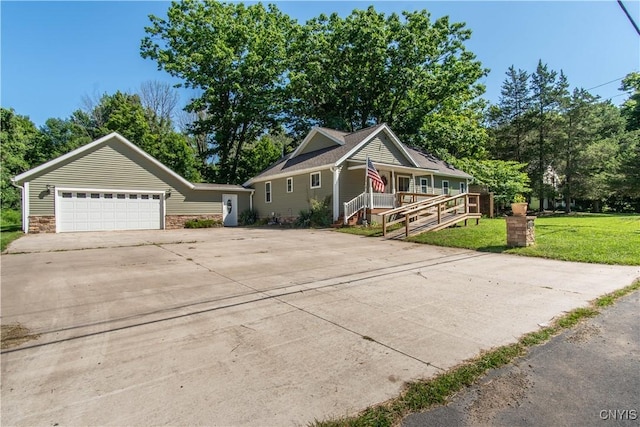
(373, 201)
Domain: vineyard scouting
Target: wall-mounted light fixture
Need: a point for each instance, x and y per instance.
(49, 188)
(167, 192)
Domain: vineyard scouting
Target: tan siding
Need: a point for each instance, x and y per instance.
(351, 185)
(454, 184)
(285, 204)
(115, 166)
(318, 142)
(382, 149)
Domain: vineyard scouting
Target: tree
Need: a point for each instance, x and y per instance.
(631, 107)
(511, 118)
(505, 179)
(407, 71)
(125, 114)
(236, 55)
(262, 153)
(159, 99)
(17, 136)
(548, 91)
(56, 138)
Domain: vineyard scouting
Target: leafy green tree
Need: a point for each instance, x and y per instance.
(236, 56)
(627, 181)
(631, 107)
(262, 153)
(56, 138)
(125, 114)
(504, 178)
(407, 71)
(17, 137)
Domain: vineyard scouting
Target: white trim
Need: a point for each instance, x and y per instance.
(25, 208)
(365, 141)
(114, 135)
(287, 174)
(57, 191)
(290, 178)
(425, 179)
(336, 192)
(108, 190)
(398, 182)
(386, 166)
(448, 187)
(270, 192)
(319, 180)
(310, 136)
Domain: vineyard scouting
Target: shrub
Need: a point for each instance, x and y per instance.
(318, 216)
(202, 223)
(248, 217)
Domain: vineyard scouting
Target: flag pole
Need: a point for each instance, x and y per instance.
(366, 176)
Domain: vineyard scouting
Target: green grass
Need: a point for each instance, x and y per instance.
(604, 239)
(10, 227)
(425, 394)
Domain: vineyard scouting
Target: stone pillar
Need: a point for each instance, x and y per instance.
(521, 231)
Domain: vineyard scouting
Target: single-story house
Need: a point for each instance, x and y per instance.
(111, 184)
(331, 163)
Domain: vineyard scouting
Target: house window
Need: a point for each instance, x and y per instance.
(463, 187)
(445, 187)
(424, 185)
(267, 192)
(315, 180)
(403, 183)
(289, 185)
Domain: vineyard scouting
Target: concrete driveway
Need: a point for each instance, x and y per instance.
(256, 326)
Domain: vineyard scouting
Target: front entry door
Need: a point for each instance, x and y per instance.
(230, 210)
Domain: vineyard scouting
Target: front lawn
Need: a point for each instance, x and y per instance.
(594, 238)
(605, 239)
(10, 227)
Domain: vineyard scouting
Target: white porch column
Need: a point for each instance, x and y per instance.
(370, 195)
(336, 193)
(393, 181)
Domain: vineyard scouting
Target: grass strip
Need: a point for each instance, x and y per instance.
(422, 395)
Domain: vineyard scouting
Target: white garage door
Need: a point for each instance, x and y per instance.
(101, 211)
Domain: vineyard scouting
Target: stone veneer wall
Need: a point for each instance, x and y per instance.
(47, 224)
(172, 222)
(521, 231)
(42, 224)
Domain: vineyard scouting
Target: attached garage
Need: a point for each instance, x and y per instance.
(107, 210)
(111, 184)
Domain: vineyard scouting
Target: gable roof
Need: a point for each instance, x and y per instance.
(325, 158)
(115, 136)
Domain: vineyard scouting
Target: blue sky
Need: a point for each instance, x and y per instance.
(54, 53)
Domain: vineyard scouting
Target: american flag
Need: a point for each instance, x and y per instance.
(376, 180)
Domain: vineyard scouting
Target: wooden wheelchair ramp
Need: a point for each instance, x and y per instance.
(430, 215)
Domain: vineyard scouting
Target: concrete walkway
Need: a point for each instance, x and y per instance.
(257, 326)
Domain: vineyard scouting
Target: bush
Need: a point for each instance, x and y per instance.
(248, 217)
(10, 217)
(318, 216)
(202, 223)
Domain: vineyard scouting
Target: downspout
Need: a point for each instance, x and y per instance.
(25, 205)
(251, 199)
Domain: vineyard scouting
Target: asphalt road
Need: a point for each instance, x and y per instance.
(586, 376)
